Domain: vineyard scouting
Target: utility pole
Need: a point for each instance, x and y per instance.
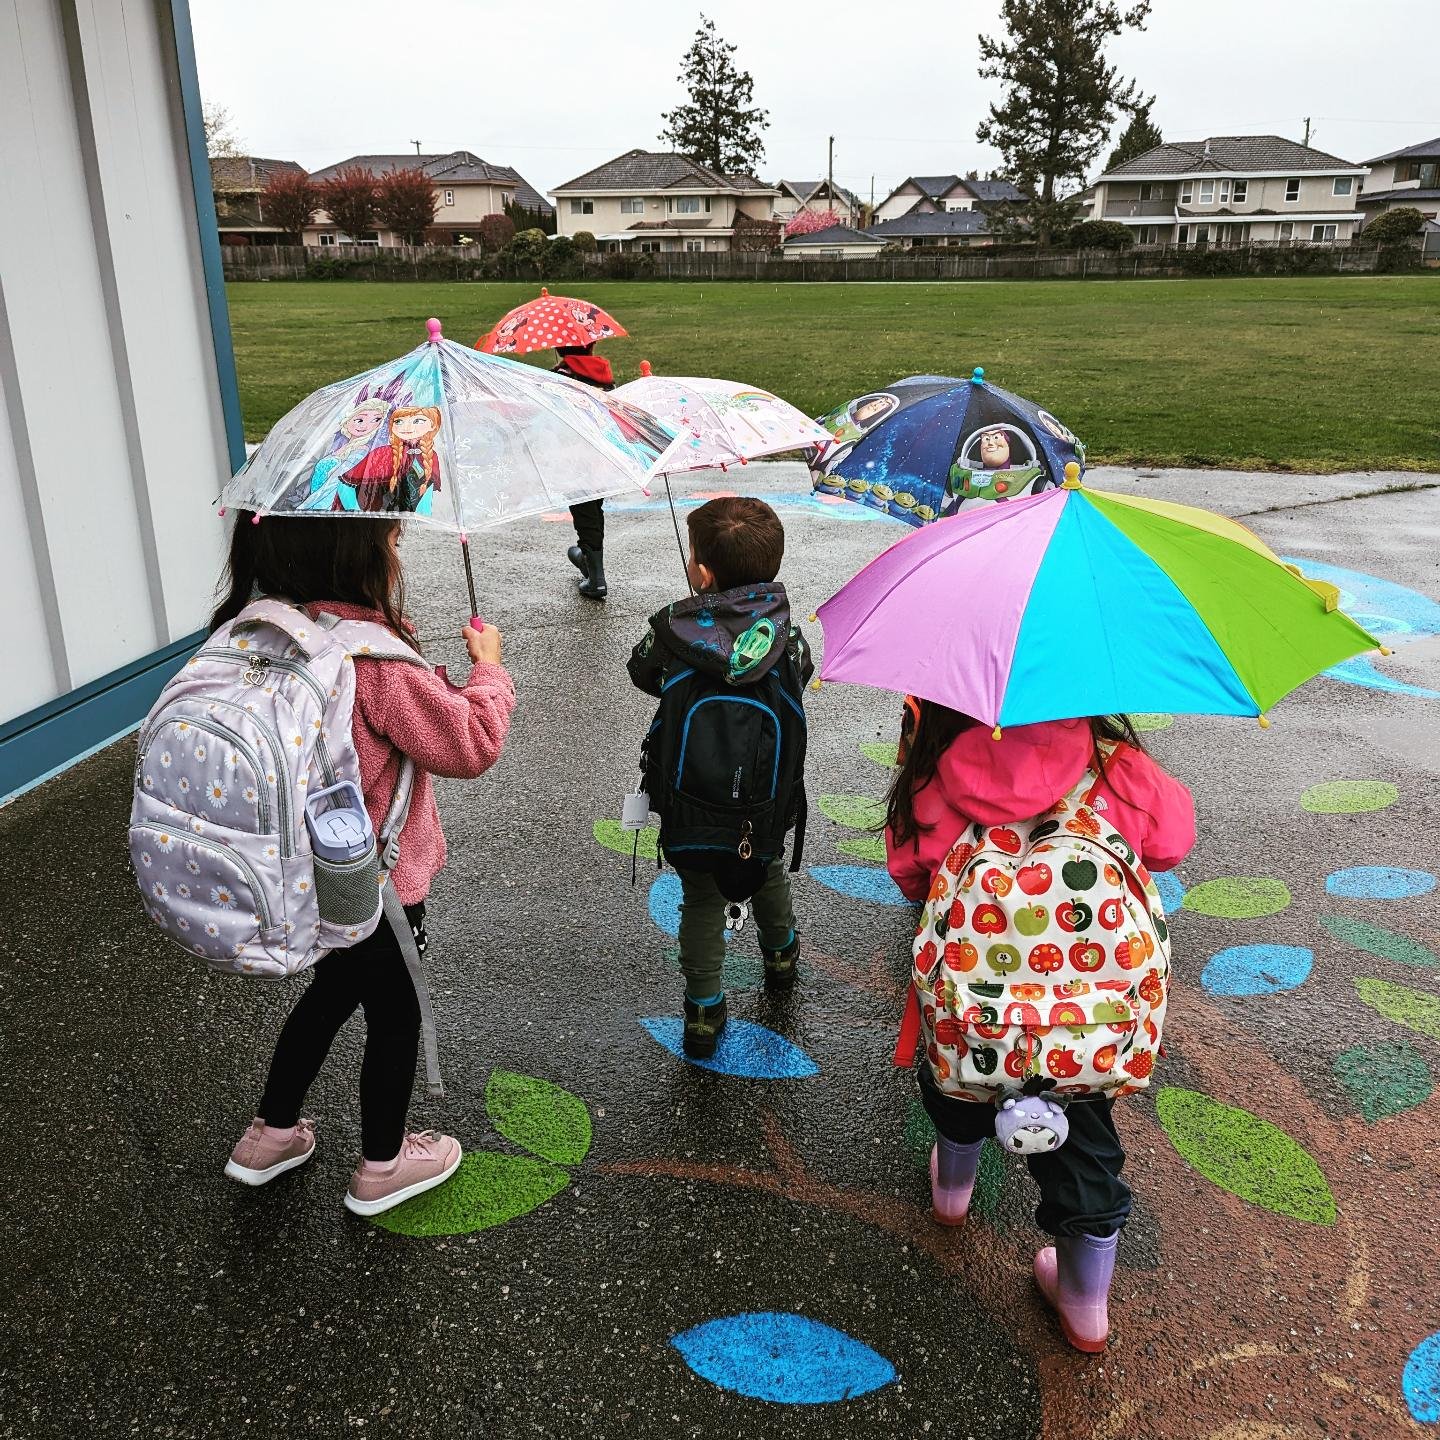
(1306, 140)
(416, 144)
(830, 173)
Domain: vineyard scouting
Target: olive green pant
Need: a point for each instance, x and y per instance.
(702, 924)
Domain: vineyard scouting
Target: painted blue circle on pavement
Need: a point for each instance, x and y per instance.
(1257, 969)
(871, 883)
(665, 896)
(786, 1359)
(1379, 882)
(1420, 1380)
(1172, 892)
(745, 1049)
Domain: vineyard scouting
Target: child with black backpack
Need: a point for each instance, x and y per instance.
(725, 756)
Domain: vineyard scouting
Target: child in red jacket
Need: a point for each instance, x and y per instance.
(954, 774)
(351, 568)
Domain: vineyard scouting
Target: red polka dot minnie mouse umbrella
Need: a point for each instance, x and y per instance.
(549, 323)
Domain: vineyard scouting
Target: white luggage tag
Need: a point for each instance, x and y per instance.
(635, 811)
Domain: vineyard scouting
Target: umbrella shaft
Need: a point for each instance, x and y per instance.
(469, 574)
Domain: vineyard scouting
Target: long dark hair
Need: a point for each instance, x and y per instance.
(928, 732)
(309, 561)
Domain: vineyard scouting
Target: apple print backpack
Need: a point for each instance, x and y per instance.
(1042, 960)
(246, 772)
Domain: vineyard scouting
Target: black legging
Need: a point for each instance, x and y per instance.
(371, 974)
(589, 518)
(1081, 1192)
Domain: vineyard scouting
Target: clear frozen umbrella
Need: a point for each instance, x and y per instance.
(449, 437)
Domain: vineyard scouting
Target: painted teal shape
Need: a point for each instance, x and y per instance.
(1379, 882)
(1384, 1079)
(665, 896)
(785, 1359)
(1389, 611)
(1172, 891)
(1375, 940)
(746, 1050)
(1257, 969)
(1420, 1381)
(860, 882)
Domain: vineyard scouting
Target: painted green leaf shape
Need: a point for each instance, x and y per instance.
(538, 1116)
(1384, 1079)
(881, 753)
(610, 834)
(1155, 721)
(1238, 897)
(864, 847)
(1245, 1155)
(1375, 940)
(486, 1190)
(1413, 1008)
(855, 812)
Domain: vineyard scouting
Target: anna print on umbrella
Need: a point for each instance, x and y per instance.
(404, 476)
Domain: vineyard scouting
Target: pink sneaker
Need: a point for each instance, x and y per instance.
(425, 1161)
(264, 1152)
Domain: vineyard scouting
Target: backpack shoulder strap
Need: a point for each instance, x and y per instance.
(368, 639)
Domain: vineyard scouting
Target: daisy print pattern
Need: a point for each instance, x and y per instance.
(223, 896)
(181, 923)
(212, 929)
(271, 852)
(219, 792)
(200, 752)
(165, 841)
(159, 891)
(251, 794)
(183, 784)
(301, 886)
(193, 866)
(166, 759)
(183, 890)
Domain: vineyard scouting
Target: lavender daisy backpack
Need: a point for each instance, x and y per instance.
(248, 832)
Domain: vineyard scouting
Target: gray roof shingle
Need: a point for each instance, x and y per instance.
(988, 190)
(831, 235)
(1252, 154)
(454, 167)
(247, 172)
(941, 222)
(807, 189)
(1425, 150)
(650, 170)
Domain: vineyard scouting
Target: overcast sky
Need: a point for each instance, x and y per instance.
(554, 87)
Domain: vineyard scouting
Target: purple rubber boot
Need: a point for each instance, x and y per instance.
(952, 1179)
(1074, 1276)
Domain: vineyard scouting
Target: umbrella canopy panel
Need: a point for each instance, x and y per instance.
(549, 323)
(925, 446)
(452, 437)
(1073, 603)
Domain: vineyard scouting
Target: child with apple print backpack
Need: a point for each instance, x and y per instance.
(1041, 964)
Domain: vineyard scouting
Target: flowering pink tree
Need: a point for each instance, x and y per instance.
(807, 222)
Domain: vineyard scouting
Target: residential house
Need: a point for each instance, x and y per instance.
(817, 196)
(659, 201)
(835, 242)
(928, 230)
(467, 189)
(1231, 189)
(930, 194)
(1409, 177)
(238, 183)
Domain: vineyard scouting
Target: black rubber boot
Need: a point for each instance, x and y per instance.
(780, 965)
(576, 556)
(703, 1027)
(593, 586)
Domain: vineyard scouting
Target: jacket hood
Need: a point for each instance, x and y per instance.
(1021, 775)
(736, 635)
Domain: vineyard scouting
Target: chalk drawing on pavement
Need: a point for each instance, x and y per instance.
(1238, 897)
(1420, 1381)
(746, 1050)
(1348, 797)
(1385, 1078)
(1257, 969)
(1379, 882)
(1376, 940)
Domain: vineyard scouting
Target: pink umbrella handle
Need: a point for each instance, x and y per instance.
(477, 624)
(433, 326)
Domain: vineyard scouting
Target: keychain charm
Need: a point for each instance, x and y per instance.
(736, 914)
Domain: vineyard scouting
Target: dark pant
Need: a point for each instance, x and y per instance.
(1081, 1192)
(371, 974)
(589, 518)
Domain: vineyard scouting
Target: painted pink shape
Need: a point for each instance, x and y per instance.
(900, 624)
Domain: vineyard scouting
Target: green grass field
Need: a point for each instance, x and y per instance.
(1300, 374)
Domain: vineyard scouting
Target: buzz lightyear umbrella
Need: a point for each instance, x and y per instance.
(449, 437)
(926, 446)
(1073, 603)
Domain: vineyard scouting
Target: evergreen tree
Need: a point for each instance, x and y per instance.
(718, 125)
(1140, 135)
(1060, 96)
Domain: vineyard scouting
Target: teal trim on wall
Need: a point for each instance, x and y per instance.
(209, 232)
(46, 740)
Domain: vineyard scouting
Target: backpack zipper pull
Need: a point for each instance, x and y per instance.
(255, 670)
(745, 850)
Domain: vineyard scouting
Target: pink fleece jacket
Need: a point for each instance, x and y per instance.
(980, 780)
(458, 733)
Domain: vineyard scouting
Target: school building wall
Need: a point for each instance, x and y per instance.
(119, 420)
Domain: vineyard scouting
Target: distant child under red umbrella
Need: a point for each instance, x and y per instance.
(571, 328)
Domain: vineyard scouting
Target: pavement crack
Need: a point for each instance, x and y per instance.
(1340, 499)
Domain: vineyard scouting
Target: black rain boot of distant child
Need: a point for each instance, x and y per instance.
(591, 564)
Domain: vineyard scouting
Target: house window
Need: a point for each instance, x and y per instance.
(1184, 235)
(687, 205)
(582, 207)
(1147, 235)
(508, 199)
(1285, 230)
(1429, 174)
(449, 197)
(650, 247)
(1292, 191)
(1322, 232)
(692, 246)
(326, 238)
(1202, 234)
(1187, 191)
(1242, 189)
(1343, 185)
(633, 205)
(1224, 192)
(1207, 192)
(1154, 192)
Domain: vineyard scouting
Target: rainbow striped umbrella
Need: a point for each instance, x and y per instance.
(1074, 602)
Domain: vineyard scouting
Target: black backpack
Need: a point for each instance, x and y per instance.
(724, 768)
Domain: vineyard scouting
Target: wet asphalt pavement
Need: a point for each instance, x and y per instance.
(145, 1294)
